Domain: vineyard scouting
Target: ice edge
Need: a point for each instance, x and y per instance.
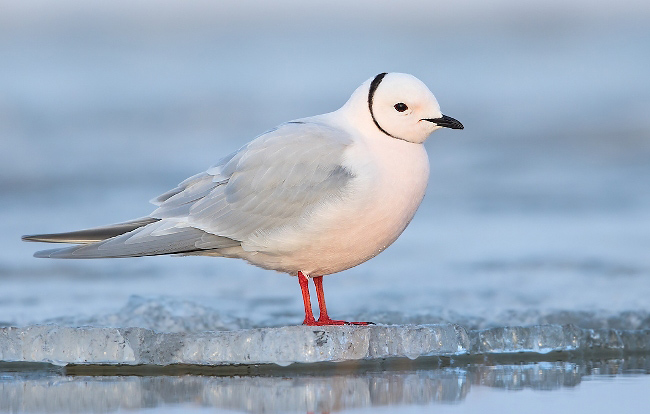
(300, 344)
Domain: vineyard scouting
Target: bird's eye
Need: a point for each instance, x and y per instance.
(401, 107)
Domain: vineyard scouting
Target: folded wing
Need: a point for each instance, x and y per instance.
(271, 185)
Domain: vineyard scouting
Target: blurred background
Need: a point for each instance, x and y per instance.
(539, 211)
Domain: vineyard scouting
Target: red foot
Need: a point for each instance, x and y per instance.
(323, 319)
(327, 321)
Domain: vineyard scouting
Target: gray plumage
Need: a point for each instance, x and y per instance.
(272, 184)
(151, 240)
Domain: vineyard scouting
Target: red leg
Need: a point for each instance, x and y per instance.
(304, 286)
(323, 318)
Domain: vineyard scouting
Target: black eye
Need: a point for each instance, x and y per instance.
(401, 107)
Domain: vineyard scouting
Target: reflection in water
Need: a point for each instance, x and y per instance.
(39, 391)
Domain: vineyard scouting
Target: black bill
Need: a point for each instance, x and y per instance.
(446, 121)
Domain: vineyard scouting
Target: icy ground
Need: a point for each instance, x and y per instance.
(301, 344)
(164, 332)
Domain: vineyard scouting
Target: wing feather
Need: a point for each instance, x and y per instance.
(91, 235)
(154, 239)
(273, 183)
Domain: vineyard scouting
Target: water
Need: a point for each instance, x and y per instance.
(537, 213)
(509, 387)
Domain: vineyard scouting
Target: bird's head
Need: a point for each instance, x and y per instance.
(400, 106)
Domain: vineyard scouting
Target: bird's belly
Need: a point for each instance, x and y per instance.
(356, 238)
(355, 229)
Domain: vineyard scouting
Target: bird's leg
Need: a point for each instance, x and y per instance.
(323, 318)
(304, 286)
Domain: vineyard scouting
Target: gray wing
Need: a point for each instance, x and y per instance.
(272, 184)
(153, 239)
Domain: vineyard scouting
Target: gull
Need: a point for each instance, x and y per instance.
(310, 198)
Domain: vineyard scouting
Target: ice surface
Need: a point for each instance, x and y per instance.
(170, 314)
(301, 344)
(547, 338)
(282, 346)
(163, 331)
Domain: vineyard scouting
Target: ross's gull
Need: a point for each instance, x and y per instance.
(311, 197)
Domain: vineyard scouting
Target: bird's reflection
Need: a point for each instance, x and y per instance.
(302, 392)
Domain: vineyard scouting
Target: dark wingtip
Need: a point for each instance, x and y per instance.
(44, 238)
(30, 237)
(91, 235)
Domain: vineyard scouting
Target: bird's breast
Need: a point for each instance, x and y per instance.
(388, 186)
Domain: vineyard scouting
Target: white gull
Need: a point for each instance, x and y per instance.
(311, 197)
